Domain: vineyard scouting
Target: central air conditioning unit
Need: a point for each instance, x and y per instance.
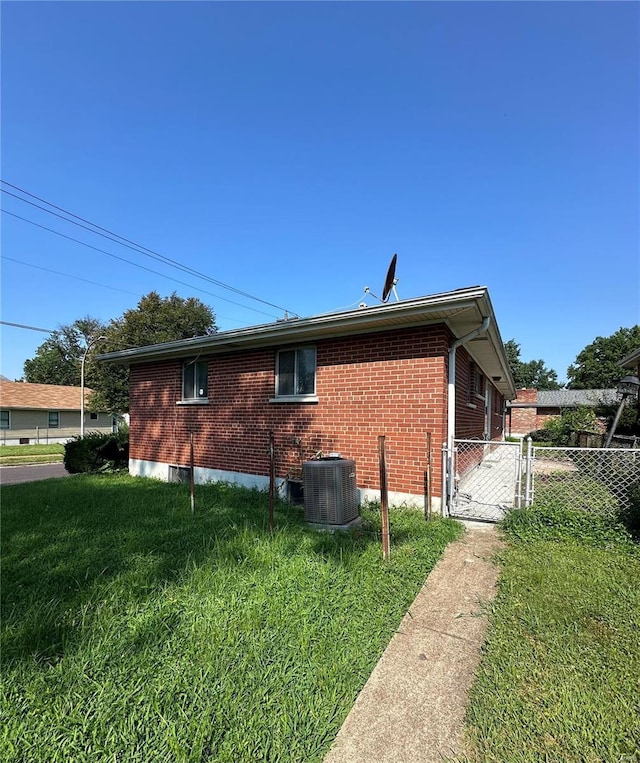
(330, 491)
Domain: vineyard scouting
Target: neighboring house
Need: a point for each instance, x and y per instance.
(33, 413)
(331, 383)
(532, 408)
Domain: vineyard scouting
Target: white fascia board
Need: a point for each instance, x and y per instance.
(433, 309)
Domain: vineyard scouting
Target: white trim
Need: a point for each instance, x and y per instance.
(194, 401)
(160, 471)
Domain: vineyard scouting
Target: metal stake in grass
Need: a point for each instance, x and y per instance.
(191, 476)
(272, 479)
(384, 500)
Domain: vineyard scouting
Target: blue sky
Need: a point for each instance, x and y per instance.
(289, 149)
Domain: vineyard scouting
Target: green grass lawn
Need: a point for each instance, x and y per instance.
(560, 676)
(135, 631)
(30, 454)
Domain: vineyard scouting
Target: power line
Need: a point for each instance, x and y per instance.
(68, 275)
(131, 244)
(22, 326)
(135, 264)
(95, 283)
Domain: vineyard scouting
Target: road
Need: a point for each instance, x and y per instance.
(11, 475)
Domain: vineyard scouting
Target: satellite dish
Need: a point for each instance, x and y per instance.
(390, 281)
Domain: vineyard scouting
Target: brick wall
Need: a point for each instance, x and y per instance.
(392, 383)
(471, 409)
(546, 414)
(523, 420)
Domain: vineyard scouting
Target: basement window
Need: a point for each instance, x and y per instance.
(195, 381)
(296, 375)
(181, 474)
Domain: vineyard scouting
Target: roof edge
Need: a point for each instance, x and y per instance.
(292, 328)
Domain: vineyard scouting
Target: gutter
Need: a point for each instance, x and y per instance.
(451, 391)
(435, 308)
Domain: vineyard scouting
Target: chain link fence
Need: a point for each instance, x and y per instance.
(485, 479)
(46, 435)
(590, 479)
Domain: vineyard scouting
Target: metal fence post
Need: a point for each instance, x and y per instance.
(384, 500)
(528, 496)
(519, 496)
(452, 476)
(444, 490)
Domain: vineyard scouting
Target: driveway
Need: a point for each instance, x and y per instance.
(11, 475)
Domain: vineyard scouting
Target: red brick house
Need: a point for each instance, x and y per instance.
(328, 383)
(532, 408)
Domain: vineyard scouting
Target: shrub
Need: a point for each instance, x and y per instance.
(96, 452)
(541, 435)
(558, 523)
(630, 514)
(561, 430)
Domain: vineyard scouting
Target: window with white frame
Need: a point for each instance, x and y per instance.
(476, 383)
(54, 419)
(5, 420)
(296, 372)
(195, 384)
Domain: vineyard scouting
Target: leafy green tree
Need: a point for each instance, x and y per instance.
(532, 374)
(155, 320)
(57, 359)
(596, 367)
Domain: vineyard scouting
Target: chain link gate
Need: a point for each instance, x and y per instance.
(483, 479)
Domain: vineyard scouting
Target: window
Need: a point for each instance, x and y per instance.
(296, 372)
(476, 383)
(54, 419)
(5, 420)
(194, 380)
(93, 416)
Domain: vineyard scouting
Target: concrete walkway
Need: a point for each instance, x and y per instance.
(412, 707)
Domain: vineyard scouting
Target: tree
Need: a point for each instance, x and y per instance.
(596, 367)
(533, 374)
(156, 319)
(57, 359)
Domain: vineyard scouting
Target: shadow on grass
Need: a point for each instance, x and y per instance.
(71, 544)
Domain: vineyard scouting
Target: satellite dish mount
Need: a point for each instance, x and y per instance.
(389, 283)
